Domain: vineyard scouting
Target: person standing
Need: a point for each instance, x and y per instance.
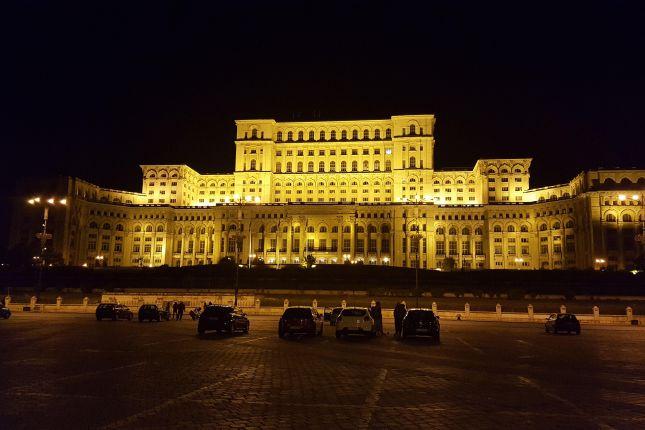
(174, 310)
(377, 314)
(399, 313)
(181, 307)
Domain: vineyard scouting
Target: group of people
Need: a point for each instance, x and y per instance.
(377, 315)
(178, 309)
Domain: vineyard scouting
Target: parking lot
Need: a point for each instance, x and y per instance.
(74, 372)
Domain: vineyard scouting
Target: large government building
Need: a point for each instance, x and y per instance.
(362, 192)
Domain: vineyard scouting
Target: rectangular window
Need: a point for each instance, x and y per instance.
(158, 248)
(135, 248)
(346, 245)
(440, 247)
(202, 246)
(479, 248)
(511, 250)
(147, 248)
(322, 245)
(385, 245)
(296, 245)
(360, 245)
(452, 247)
(117, 247)
(334, 245)
(498, 250)
(544, 249)
(465, 247)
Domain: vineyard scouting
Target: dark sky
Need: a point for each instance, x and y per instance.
(93, 89)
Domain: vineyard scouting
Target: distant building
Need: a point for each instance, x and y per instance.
(358, 191)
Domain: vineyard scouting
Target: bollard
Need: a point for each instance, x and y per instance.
(59, 301)
(498, 311)
(343, 304)
(530, 311)
(467, 310)
(314, 304)
(434, 308)
(630, 313)
(257, 303)
(563, 309)
(7, 301)
(596, 314)
(32, 303)
(286, 303)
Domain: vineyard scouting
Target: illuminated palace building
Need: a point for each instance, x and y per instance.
(363, 192)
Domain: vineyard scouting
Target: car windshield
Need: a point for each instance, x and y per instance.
(421, 315)
(217, 310)
(299, 313)
(353, 313)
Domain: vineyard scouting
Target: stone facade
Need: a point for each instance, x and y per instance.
(357, 191)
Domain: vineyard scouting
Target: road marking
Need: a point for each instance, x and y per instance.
(474, 348)
(535, 385)
(372, 400)
(79, 375)
(523, 342)
(155, 410)
(249, 340)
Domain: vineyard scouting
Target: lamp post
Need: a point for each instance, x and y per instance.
(416, 235)
(43, 236)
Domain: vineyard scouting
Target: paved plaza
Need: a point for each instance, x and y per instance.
(70, 371)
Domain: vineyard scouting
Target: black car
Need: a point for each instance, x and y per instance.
(300, 320)
(421, 322)
(562, 322)
(222, 318)
(152, 313)
(5, 312)
(113, 311)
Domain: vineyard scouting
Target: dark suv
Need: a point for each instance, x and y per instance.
(223, 318)
(300, 320)
(421, 322)
(113, 311)
(151, 312)
(562, 322)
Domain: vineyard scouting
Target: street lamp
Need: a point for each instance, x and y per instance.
(43, 236)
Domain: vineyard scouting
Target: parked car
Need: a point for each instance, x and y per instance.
(222, 318)
(5, 312)
(421, 322)
(152, 312)
(355, 321)
(113, 311)
(300, 320)
(562, 322)
(332, 314)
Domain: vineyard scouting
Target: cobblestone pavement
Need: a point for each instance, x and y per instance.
(70, 371)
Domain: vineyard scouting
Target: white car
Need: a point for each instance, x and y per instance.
(355, 321)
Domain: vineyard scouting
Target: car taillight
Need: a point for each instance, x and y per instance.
(366, 319)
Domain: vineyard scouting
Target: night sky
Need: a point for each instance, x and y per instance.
(93, 89)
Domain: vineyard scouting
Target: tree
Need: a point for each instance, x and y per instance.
(310, 260)
(449, 264)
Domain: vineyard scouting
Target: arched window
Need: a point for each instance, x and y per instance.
(377, 166)
(440, 230)
(119, 227)
(322, 135)
(360, 229)
(332, 166)
(107, 226)
(627, 218)
(385, 228)
(465, 231)
(355, 135)
(497, 229)
(311, 135)
(160, 229)
(452, 231)
(524, 229)
(556, 226)
(274, 229)
(347, 229)
(388, 133)
(290, 135)
(288, 166)
(254, 133)
(377, 134)
(252, 165)
(343, 166)
(321, 166)
(543, 227)
(413, 129)
(366, 166)
(279, 136)
(278, 167)
(323, 229)
(413, 162)
(371, 229)
(354, 166)
(478, 231)
(301, 135)
(334, 229)
(202, 231)
(310, 167)
(149, 228)
(388, 165)
(510, 229)
(366, 134)
(333, 135)
(310, 229)
(569, 224)
(296, 229)
(343, 135)
(610, 217)
(93, 225)
(137, 229)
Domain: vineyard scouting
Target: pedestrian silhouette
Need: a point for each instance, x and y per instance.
(399, 313)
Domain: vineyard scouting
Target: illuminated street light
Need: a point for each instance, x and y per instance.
(247, 198)
(43, 236)
(51, 201)
(622, 197)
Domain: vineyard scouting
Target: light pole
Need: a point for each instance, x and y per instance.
(43, 236)
(415, 236)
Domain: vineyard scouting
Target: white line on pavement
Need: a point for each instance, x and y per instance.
(249, 340)
(372, 400)
(474, 348)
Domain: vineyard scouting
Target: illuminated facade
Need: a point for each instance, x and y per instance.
(357, 191)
